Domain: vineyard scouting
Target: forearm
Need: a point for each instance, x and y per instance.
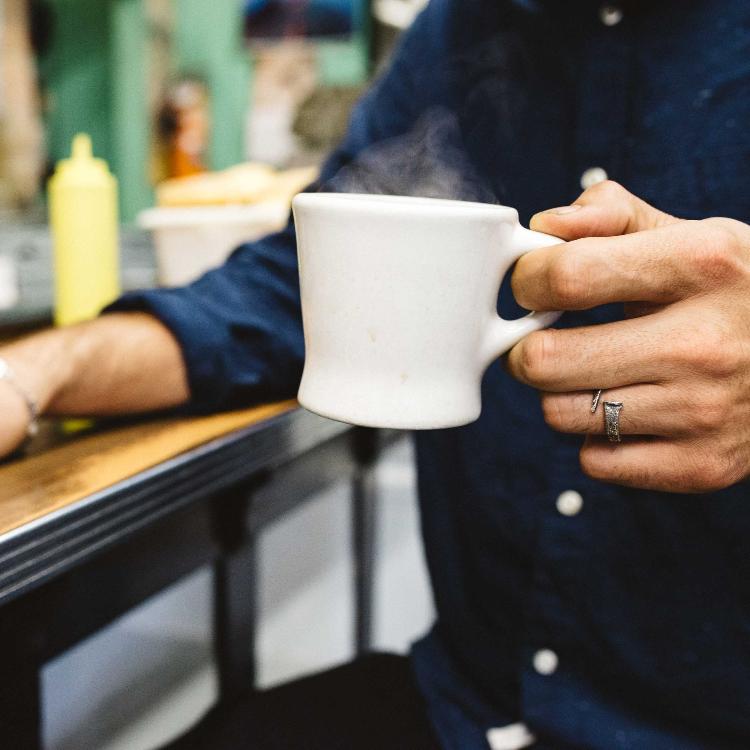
(120, 363)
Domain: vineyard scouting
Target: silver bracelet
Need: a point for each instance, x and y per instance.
(7, 374)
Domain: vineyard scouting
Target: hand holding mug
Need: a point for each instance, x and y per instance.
(679, 364)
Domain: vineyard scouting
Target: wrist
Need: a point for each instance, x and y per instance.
(9, 377)
(42, 365)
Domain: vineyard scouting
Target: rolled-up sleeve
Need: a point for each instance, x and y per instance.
(239, 327)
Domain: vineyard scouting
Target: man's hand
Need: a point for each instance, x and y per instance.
(680, 363)
(117, 364)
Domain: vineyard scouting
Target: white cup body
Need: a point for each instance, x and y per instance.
(399, 301)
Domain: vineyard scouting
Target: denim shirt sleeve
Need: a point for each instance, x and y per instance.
(239, 327)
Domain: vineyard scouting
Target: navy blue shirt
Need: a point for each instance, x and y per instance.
(643, 597)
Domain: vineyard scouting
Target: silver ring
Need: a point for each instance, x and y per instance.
(595, 402)
(612, 411)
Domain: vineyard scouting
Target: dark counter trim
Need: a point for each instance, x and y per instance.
(45, 548)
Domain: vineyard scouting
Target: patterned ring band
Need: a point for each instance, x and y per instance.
(612, 411)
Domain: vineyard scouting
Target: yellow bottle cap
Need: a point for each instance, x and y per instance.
(82, 148)
(82, 166)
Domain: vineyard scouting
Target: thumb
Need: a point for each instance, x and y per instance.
(605, 210)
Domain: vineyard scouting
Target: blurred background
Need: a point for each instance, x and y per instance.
(211, 117)
(229, 107)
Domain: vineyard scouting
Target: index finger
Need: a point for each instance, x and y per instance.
(660, 265)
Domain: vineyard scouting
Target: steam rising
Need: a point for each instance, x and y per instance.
(430, 161)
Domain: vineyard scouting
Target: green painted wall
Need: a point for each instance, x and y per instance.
(77, 73)
(96, 74)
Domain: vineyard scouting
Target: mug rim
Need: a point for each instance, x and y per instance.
(376, 202)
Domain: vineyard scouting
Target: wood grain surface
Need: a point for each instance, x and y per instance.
(39, 484)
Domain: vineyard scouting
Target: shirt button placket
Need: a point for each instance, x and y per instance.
(603, 120)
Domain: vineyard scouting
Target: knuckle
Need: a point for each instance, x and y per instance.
(734, 470)
(607, 191)
(568, 282)
(536, 362)
(717, 256)
(709, 413)
(710, 474)
(703, 419)
(711, 350)
(711, 466)
(731, 231)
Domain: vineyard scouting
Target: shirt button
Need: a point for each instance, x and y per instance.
(610, 14)
(593, 176)
(570, 503)
(546, 662)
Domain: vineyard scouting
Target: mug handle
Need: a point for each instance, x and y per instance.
(502, 334)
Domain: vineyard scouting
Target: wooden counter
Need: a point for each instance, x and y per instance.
(93, 526)
(33, 487)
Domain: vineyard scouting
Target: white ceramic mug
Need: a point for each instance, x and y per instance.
(399, 305)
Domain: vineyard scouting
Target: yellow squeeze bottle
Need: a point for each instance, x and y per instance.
(83, 217)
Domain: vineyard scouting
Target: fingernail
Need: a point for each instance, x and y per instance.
(562, 210)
